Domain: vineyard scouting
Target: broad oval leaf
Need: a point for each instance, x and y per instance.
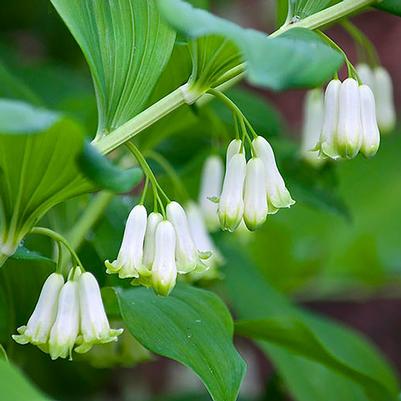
(191, 326)
(102, 173)
(14, 386)
(126, 45)
(297, 58)
(391, 6)
(38, 169)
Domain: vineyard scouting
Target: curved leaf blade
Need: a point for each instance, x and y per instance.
(391, 6)
(191, 326)
(298, 58)
(126, 45)
(102, 173)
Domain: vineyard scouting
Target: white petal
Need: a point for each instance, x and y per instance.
(187, 257)
(371, 134)
(231, 205)
(164, 269)
(366, 75)
(211, 183)
(349, 134)
(278, 195)
(233, 148)
(149, 247)
(385, 107)
(255, 200)
(65, 329)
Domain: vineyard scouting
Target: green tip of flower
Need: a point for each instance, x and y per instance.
(113, 267)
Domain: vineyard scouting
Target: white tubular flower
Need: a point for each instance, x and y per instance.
(186, 254)
(366, 75)
(37, 330)
(233, 148)
(312, 127)
(231, 205)
(211, 182)
(278, 195)
(65, 329)
(149, 247)
(370, 130)
(164, 269)
(349, 134)
(327, 145)
(201, 237)
(95, 327)
(130, 258)
(385, 108)
(255, 200)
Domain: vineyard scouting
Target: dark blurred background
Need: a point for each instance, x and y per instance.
(35, 42)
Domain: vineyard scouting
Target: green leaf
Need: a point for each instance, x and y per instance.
(312, 62)
(305, 8)
(126, 45)
(102, 173)
(335, 347)
(38, 151)
(391, 6)
(191, 326)
(15, 387)
(281, 12)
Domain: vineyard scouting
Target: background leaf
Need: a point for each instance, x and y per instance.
(191, 326)
(300, 58)
(391, 6)
(126, 45)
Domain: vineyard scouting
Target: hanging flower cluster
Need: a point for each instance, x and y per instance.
(155, 249)
(379, 81)
(67, 315)
(349, 124)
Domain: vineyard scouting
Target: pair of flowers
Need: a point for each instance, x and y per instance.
(251, 190)
(154, 250)
(68, 314)
(349, 121)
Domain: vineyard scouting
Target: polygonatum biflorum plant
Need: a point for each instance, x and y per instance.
(161, 70)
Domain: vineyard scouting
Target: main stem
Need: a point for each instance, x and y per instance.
(177, 98)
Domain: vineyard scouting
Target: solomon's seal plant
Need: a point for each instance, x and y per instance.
(138, 216)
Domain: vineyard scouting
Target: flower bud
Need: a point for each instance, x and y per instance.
(65, 329)
(255, 200)
(370, 130)
(312, 127)
(231, 205)
(328, 145)
(201, 237)
(385, 108)
(130, 257)
(149, 247)
(37, 330)
(349, 134)
(164, 269)
(211, 182)
(366, 75)
(186, 254)
(233, 148)
(95, 327)
(278, 195)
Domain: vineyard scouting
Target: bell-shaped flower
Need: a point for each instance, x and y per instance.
(130, 258)
(233, 148)
(164, 269)
(211, 182)
(149, 244)
(201, 237)
(366, 75)
(278, 195)
(94, 327)
(255, 199)
(231, 205)
(349, 133)
(38, 328)
(64, 332)
(370, 130)
(312, 127)
(385, 107)
(328, 145)
(186, 254)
